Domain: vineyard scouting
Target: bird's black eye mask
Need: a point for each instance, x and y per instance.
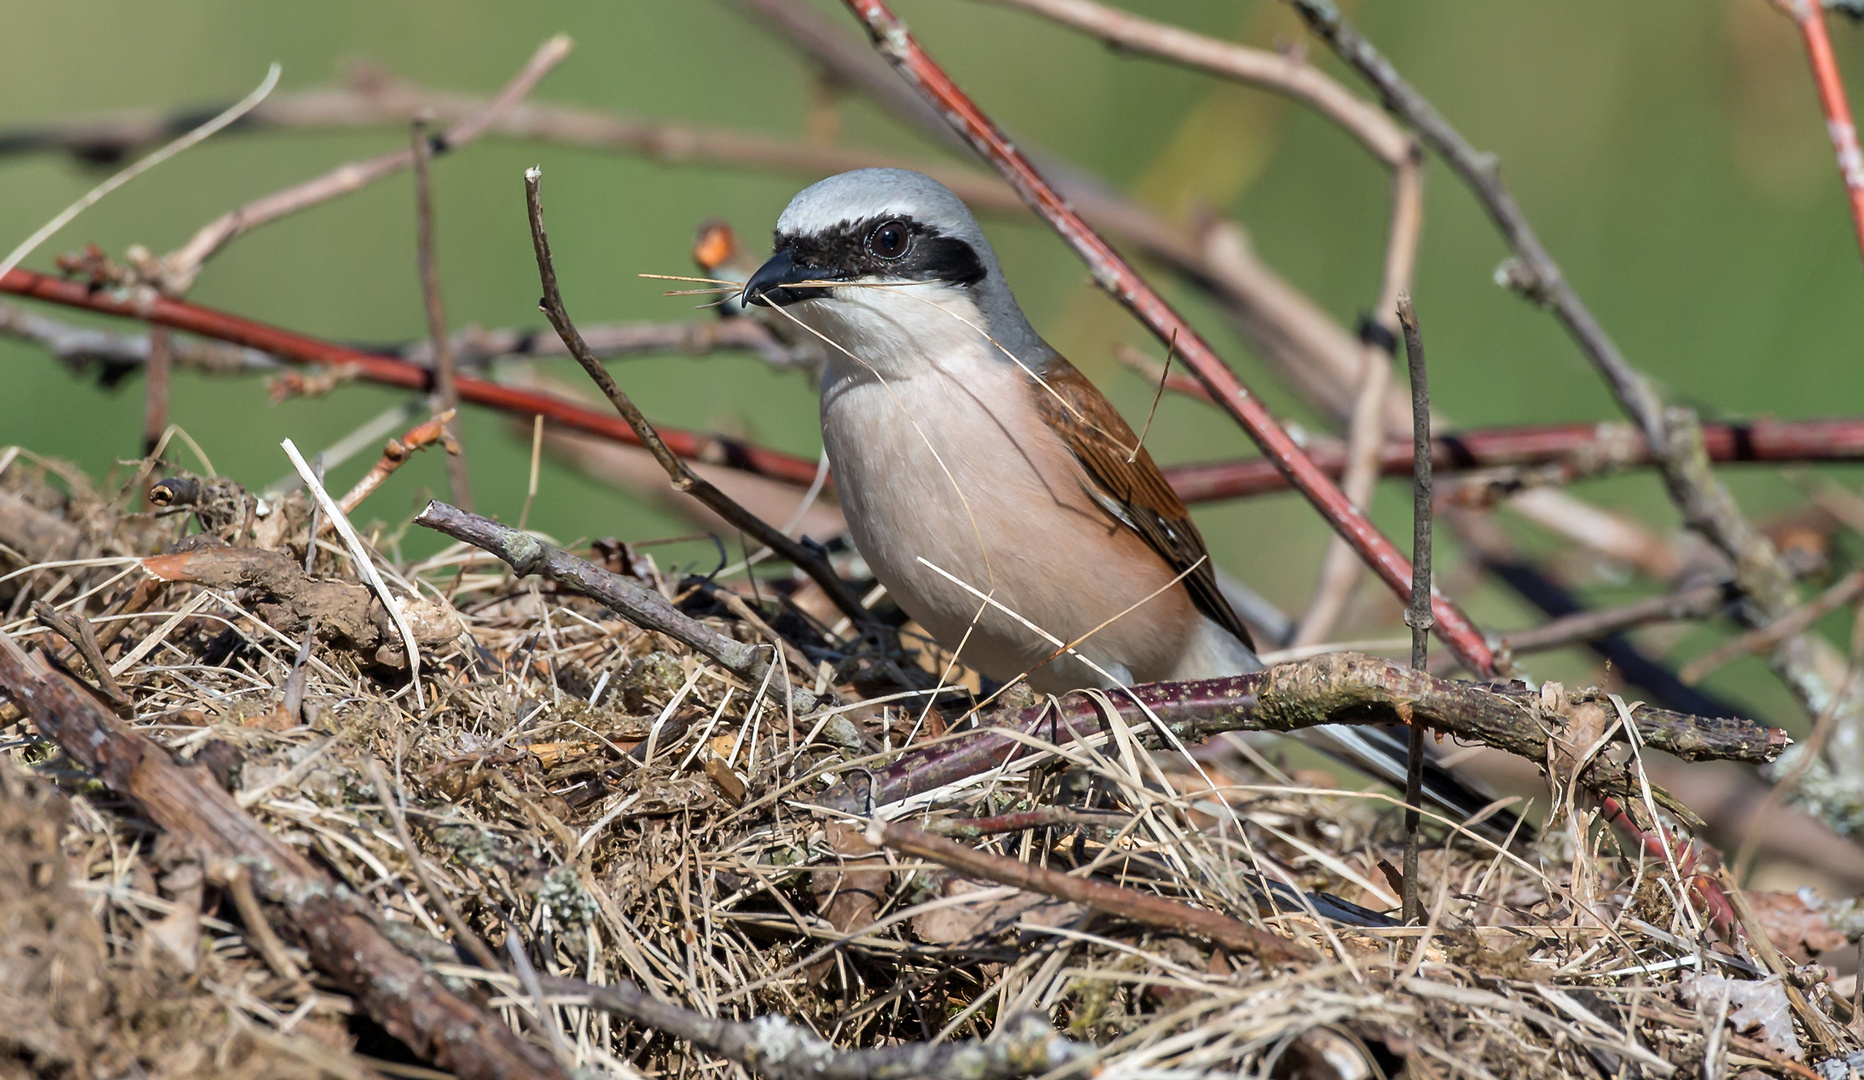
(866, 248)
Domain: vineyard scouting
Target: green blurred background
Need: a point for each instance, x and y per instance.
(1670, 152)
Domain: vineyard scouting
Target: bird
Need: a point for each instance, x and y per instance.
(997, 495)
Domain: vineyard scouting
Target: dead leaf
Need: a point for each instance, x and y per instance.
(1795, 927)
(1757, 1006)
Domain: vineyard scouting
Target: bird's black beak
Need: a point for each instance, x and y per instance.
(774, 284)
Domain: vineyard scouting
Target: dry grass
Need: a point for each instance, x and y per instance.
(638, 814)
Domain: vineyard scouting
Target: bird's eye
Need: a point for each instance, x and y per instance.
(889, 241)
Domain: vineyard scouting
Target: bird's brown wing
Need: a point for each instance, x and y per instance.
(1134, 493)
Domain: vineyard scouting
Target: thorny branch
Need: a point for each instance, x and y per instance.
(810, 561)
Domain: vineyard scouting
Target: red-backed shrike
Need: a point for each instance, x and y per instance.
(972, 461)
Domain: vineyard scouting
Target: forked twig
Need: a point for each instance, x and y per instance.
(1114, 274)
(810, 562)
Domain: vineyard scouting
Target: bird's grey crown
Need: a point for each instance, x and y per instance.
(823, 208)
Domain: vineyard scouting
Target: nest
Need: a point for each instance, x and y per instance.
(592, 801)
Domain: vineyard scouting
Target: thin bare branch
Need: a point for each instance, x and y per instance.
(1417, 615)
(1334, 688)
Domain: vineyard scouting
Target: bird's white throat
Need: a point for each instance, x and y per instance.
(895, 330)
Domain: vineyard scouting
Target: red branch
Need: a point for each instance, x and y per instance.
(1615, 445)
(1116, 276)
(389, 371)
(1810, 15)
(1585, 446)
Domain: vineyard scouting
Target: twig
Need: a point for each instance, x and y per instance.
(809, 561)
(238, 881)
(1024, 1044)
(1334, 688)
(119, 354)
(341, 935)
(395, 453)
(1146, 908)
(459, 478)
(1284, 73)
(638, 604)
(1761, 639)
(389, 371)
(472, 347)
(1113, 273)
(181, 267)
(1417, 615)
(1810, 15)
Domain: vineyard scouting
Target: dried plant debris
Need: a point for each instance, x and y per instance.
(585, 802)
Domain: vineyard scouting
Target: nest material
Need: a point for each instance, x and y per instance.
(636, 813)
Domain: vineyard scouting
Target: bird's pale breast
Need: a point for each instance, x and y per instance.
(1024, 530)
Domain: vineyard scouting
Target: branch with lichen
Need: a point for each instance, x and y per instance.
(1335, 688)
